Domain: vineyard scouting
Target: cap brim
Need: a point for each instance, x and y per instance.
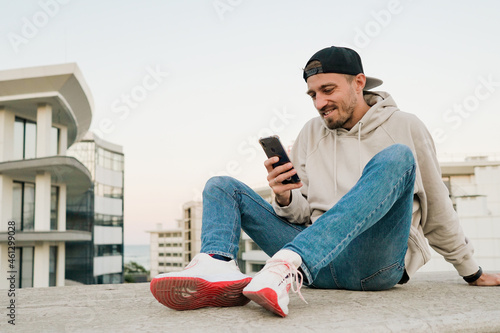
(372, 82)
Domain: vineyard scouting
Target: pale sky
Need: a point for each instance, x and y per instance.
(187, 87)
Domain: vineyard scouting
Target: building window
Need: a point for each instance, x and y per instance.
(109, 220)
(24, 139)
(108, 191)
(109, 160)
(24, 266)
(54, 141)
(23, 202)
(54, 205)
(108, 250)
(53, 266)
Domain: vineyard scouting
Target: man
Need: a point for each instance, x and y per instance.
(371, 189)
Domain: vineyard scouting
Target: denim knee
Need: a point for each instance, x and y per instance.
(219, 182)
(399, 152)
(396, 155)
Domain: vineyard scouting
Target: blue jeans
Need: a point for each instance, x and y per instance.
(359, 244)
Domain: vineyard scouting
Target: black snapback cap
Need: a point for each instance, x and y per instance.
(339, 60)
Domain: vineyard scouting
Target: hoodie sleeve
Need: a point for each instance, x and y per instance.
(440, 221)
(298, 211)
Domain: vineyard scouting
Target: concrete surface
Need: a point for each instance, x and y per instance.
(431, 302)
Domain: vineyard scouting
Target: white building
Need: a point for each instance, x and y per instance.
(474, 186)
(43, 111)
(172, 249)
(61, 208)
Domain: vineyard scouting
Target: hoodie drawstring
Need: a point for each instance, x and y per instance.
(335, 160)
(359, 149)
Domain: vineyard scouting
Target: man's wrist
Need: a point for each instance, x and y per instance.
(284, 201)
(473, 278)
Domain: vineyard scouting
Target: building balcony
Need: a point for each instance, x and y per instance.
(49, 236)
(61, 86)
(63, 169)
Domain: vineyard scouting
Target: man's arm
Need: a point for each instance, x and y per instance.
(441, 225)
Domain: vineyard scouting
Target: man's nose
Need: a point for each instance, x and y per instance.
(320, 101)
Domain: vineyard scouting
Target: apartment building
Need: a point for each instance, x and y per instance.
(474, 185)
(172, 249)
(61, 208)
(43, 111)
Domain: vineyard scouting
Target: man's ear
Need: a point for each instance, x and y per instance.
(359, 82)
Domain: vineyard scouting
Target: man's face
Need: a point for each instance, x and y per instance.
(335, 99)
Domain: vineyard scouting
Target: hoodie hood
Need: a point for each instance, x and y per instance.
(382, 106)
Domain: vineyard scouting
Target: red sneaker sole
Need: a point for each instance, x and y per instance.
(187, 293)
(266, 298)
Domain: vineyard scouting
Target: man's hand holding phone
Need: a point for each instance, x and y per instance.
(282, 177)
(276, 176)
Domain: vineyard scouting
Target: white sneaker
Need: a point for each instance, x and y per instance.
(204, 282)
(270, 287)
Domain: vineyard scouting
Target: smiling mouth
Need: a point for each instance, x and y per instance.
(326, 113)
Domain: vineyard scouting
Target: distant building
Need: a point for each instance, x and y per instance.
(474, 186)
(105, 162)
(172, 249)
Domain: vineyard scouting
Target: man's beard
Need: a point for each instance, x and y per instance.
(347, 108)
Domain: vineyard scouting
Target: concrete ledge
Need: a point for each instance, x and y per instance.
(431, 302)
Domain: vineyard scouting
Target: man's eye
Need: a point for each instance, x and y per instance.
(328, 91)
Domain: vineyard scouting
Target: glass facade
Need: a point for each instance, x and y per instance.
(84, 151)
(79, 211)
(108, 250)
(109, 160)
(105, 166)
(23, 205)
(79, 262)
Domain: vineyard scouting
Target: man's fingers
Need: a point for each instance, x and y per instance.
(269, 163)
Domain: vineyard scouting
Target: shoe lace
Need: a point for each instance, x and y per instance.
(290, 273)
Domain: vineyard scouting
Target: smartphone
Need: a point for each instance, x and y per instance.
(273, 147)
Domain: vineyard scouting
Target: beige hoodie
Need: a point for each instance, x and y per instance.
(330, 162)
